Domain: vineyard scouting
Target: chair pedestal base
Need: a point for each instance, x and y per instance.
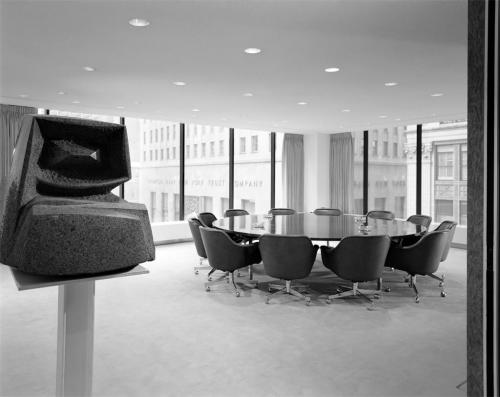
(413, 284)
(287, 290)
(201, 266)
(355, 291)
(225, 277)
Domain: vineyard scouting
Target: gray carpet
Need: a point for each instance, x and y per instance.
(161, 334)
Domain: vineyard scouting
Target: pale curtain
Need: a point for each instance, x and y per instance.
(341, 171)
(293, 171)
(10, 120)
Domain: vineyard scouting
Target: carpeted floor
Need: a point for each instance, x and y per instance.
(161, 334)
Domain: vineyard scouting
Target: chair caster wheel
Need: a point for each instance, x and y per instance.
(417, 300)
(209, 279)
(269, 289)
(308, 301)
(196, 272)
(207, 289)
(441, 284)
(328, 301)
(237, 293)
(443, 294)
(387, 289)
(339, 290)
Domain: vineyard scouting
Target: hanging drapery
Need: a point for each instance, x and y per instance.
(341, 171)
(293, 171)
(10, 119)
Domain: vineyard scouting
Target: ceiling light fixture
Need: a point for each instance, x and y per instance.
(382, 117)
(437, 94)
(195, 110)
(75, 102)
(302, 103)
(179, 83)
(253, 50)
(248, 94)
(89, 69)
(23, 95)
(346, 110)
(398, 119)
(138, 22)
(120, 107)
(332, 70)
(391, 84)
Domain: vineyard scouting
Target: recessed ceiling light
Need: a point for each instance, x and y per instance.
(301, 103)
(23, 95)
(253, 50)
(179, 83)
(137, 102)
(332, 70)
(398, 119)
(346, 110)
(120, 107)
(75, 102)
(247, 94)
(436, 94)
(223, 119)
(391, 84)
(138, 22)
(382, 117)
(61, 93)
(89, 69)
(195, 110)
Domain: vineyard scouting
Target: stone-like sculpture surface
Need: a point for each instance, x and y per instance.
(57, 213)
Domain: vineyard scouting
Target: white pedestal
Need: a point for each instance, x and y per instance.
(75, 331)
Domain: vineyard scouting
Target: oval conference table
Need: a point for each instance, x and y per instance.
(316, 227)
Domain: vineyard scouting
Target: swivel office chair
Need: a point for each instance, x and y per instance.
(287, 258)
(327, 211)
(228, 256)
(282, 211)
(379, 214)
(421, 258)
(194, 226)
(357, 259)
(235, 212)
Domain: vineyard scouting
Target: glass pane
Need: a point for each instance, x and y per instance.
(252, 171)
(155, 176)
(444, 171)
(357, 207)
(207, 169)
(388, 171)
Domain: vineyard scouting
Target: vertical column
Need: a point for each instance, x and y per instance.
(75, 339)
(365, 172)
(182, 175)
(231, 168)
(418, 154)
(273, 170)
(122, 186)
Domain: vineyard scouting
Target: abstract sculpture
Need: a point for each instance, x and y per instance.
(57, 213)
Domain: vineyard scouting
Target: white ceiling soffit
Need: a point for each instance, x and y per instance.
(421, 45)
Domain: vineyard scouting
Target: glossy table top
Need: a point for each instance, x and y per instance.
(316, 227)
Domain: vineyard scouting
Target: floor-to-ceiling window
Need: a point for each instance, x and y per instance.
(153, 146)
(252, 170)
(206, 187)
(358, 146)
(389, 172)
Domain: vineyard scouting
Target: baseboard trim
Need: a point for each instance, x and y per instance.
(173, 241)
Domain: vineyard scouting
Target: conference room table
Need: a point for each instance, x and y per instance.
(316, 227)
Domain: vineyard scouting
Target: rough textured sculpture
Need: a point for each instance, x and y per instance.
(57, 213)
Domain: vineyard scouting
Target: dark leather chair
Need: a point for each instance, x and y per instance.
(357, 259)
(327, 211)
(422, 220)
(194, 226)
(379, 214)
(226, 255)
(421, 258)
(287, 258)
(282, 211)
(450, 226)
(235, 212)
(207, 219)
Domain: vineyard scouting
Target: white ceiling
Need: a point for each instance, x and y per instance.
(420, 44)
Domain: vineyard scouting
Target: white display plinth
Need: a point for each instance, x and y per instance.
(75, 330)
